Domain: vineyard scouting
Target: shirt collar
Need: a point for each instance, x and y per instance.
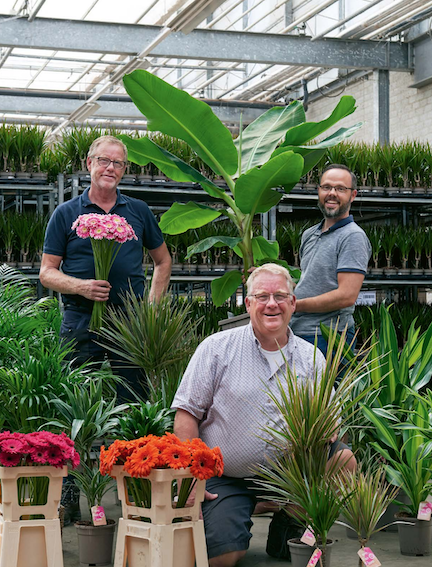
(337, 225)
(120, 200)
(289, 346)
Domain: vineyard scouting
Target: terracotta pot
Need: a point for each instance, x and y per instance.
(415, 539)
(301, 553)
(95, 543)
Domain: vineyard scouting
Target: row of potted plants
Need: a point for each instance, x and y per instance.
(24, 153)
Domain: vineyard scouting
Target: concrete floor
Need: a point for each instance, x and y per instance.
(344, 553)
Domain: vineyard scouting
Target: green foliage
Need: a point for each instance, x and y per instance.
(262, 168)
(92, 484)
(158, 337)
(143, 419)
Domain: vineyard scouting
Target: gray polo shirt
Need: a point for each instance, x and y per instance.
(224, 387)
(344, 247)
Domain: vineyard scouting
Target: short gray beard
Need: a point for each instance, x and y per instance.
(336, 212)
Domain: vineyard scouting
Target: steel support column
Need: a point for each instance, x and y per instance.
(381, 106)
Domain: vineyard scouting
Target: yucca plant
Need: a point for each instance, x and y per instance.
(418, 240)
(419, 164)
(37, 143)
(363, 162)
(406, 154)
(22, 147)
(375, 234)
(293, 233)
(9, 235)
(366, 496)
(7, 134)
(428, 245)
(387, 156)
(389, 239)
(404, 243)
(158, 337)
(24, 226)
(375, 164)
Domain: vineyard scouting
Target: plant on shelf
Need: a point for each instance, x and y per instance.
(405, 237)
(375, 234)
(363, 161)
(366, 496)
(7, 134)
(418, 240)
(24, 226)
(9, 236)
(271, 152)
(387, 157)
(389, 240)
(428, 246)
(375, 165)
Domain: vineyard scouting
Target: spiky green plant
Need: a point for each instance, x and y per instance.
(145, 418)
(366, 497)
(389, 239)
(92, 484)
(404, 243)
(418, 240)
(375, 234)
(363, 162)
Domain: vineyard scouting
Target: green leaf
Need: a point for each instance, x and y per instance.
(260, 138)
(181, 217)
(300, 135)
(222, 288)
(262, 248)
(384, 433)
(253, 190)
(143, 150)
(176, 113)
(216, 241)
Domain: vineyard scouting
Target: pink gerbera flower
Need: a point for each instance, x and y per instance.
(9, 459)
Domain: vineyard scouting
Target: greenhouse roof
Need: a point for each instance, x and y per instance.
(63, 62)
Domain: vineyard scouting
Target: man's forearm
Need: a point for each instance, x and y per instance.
(330, 301)
(160, 280)
(185, 425)
(95, 290)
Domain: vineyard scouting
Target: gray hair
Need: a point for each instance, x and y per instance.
(107, 140)
(274, 269)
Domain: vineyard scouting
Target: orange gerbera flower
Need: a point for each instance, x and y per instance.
(197, 443)
(219, 464)
(116, 452)
(203, 464)
(172, 439)
(176, 456)
(142, 461)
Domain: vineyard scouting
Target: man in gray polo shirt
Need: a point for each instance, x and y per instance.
(222, 397)
(334, 256)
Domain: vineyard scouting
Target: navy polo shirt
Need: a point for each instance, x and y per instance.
(77, 254)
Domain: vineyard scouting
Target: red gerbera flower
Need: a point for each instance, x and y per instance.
(9, 459)
(203, 464)
(142, 461)
(176, 456)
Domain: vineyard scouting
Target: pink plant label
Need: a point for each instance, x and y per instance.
(424, 511)
(314, 559)
(98, 515)
(368, 557)
(429, 498)
(308, 537)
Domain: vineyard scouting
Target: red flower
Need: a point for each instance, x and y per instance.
(13, 445)
(9, 459)
(203, 464)
(176, 456)
(142, 461)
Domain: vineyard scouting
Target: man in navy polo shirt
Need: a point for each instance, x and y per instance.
(334, 256)
(67, 262)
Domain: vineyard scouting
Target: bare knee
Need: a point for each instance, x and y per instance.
(227, 559)
(343, 461)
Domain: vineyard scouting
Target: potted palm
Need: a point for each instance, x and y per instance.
(95, 538)
(405, 244)
(375, 235)
(388, 243)
(418, 245)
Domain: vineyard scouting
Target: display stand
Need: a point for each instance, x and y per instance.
(25, 542)
(173, 537)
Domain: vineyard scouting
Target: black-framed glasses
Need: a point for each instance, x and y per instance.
(105, 162)
(264, 298)
(338, 188)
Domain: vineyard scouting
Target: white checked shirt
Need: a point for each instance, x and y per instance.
(224, 387)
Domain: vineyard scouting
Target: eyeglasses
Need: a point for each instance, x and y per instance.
(264, 298)
(338, 188)
(105, 162)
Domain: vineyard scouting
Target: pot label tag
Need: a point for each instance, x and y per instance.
(308, 537)
(314, 559)
(424, 511)
(429, 498)
(98, 515)
(368, 557)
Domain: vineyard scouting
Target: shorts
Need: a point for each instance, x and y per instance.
(228, 518)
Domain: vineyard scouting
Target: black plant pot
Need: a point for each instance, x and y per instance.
(415, 539)
(95, 543)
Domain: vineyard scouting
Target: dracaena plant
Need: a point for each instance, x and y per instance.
(275, 151)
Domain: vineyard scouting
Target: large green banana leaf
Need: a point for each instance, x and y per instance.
(253, 191)
(261, 137)
(181, 217)
(224, 287)
(143, 150)
(176, 113)
(216, 241)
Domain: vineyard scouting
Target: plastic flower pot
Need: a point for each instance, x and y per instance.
(416, 539)
(95, 543)
(301, 553)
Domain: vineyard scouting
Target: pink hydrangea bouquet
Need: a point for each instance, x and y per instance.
(36, 449)
(107, 233)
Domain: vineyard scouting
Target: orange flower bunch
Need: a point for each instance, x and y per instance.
(140, 456)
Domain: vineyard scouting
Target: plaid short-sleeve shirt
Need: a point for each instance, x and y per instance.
(225, 388)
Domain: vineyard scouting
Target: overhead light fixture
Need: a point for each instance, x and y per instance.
(84, 111)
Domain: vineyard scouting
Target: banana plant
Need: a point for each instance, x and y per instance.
(271, 153)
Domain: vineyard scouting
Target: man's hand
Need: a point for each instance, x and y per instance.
(96, 290)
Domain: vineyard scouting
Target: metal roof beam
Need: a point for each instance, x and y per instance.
(275, 49)
(50, 104)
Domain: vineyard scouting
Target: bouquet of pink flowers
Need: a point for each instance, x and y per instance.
(37, 448)
(107, 234)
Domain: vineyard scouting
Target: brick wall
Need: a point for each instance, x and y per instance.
(410, 109)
